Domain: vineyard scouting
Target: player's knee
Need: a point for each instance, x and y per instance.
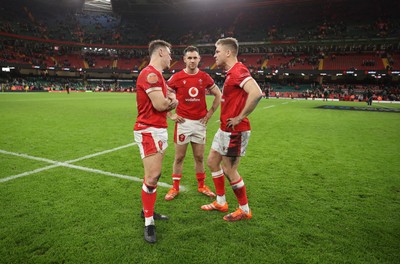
(229, 171)
(199, 158)
(179, 159)
(153, 179)
(226, 170)
(230, 174)
(212, 164)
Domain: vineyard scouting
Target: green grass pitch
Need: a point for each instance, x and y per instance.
(323, 185)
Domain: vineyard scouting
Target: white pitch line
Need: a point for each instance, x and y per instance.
(28, 173)
(68, 165)
(101, 153)
(117, 175)
(28, 156)
(268, 106)
(69, 161)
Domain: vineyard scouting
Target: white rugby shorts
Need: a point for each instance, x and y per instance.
(151, 140)
(190, 131)
(231, 144)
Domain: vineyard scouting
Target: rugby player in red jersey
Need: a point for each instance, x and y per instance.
(153, 102)
(190, 85)
(240, 96)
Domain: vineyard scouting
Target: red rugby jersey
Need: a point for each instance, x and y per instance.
(191, 93)
(149, 80)
(234, 97)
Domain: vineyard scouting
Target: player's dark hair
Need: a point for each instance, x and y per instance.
(158, 43)
(190, 49)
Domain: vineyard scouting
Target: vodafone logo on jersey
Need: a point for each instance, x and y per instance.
(193, 92)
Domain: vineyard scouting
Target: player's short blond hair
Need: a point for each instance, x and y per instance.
(231, 43)
(158, 43)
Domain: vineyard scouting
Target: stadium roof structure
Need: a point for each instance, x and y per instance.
(166, 6)
(389, 7)
(192, 6)
(154, 6)
(98, 5)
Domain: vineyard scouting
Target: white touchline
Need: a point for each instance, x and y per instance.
(68, 165)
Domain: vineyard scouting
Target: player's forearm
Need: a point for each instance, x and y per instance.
(214, 107)
(162, 104)
(217, 100)
(252, 100)
(172, 104)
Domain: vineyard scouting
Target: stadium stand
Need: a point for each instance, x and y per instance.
(69, 60)
(253, 61)
(207, 62)
(302, 62)
(353, 62)
(177, 64)
(72, 43)
(129, 64)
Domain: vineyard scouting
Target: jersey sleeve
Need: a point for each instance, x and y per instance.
(152, 83)
(243, 75)
(172, 82)
(209, 82)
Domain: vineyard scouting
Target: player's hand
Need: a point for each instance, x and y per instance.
(173, 104)
(171, 96)
(233, 121)
(205, 119)
(178, 119)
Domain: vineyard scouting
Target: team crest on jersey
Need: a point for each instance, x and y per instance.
(152, 78)
(181, 137)
(193, 92)
(184, 82)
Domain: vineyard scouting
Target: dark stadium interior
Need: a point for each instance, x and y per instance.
(290, 46)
